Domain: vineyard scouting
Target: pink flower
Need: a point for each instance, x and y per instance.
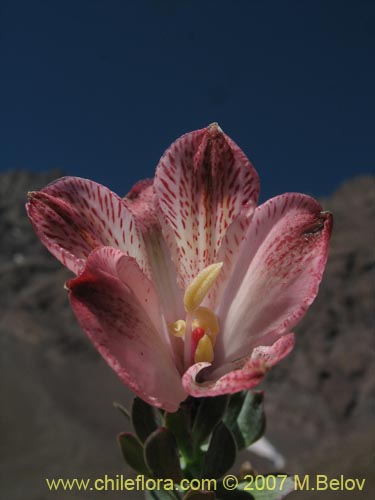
(184, 286)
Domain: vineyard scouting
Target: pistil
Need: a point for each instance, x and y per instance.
(196, 336)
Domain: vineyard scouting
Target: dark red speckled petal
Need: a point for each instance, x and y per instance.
(73, 216)
(203, 184)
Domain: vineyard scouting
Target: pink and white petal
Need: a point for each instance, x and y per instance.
(53, 225)
(119, 318)
(203, 183)
(73, 216)
(277, 275)
(238, 375)
(229, 252)
(142, 203)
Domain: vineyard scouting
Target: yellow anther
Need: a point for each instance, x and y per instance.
(177, 328)
(204, 350)
(206, 319)
(199, 287)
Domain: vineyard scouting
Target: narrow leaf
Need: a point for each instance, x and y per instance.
(233, 409)
(160, 495)
(122, 409)
(179, 424)
(132, 452)
(209, 413)
(221, 453)
(245, 417)
(251, 420)
(161, 455)
(145, 419)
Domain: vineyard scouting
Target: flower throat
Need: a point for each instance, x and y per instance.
(201, 326)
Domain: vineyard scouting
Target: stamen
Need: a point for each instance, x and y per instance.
(199, 287)
(204, 350)
(207, 319)
(177, 328)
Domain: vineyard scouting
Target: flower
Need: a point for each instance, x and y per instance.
(184, 286)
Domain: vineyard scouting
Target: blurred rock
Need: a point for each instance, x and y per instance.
(320, 400)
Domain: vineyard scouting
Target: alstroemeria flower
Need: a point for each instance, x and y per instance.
(184, 286)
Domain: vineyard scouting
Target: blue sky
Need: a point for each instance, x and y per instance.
(101, 88)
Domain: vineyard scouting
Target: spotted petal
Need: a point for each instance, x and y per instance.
(242, 374)
(203, 183)
(73, 216)
(117, 306)
(277, 274)
(142, 204)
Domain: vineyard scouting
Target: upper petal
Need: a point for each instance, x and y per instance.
(203, 183)
(116, 305)
(73, 216)
(277, 274)
(142, 203)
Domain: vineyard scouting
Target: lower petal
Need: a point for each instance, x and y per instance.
(120, 320)
(238, 375)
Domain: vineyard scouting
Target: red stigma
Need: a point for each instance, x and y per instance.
(196, 335)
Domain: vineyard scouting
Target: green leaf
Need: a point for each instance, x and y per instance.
(160, 495)
(270, 487)
(179, 424)
(209, 413)
(251, 420)
(199, 495)
(225, 494)
(145, 419)
(161, 455)
(221, 453)
(233, 409)
(122, 409)
(132, 451)
(245, 417)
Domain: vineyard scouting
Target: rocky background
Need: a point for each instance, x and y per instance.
(57, 418)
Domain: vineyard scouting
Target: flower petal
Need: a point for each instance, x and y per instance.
(277, 274)
(121, 319)
(203, 183)
(142, 203)
(73, 216)
(242, 374)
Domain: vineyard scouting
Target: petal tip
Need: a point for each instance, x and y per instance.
(215, 127)
(323, 222)
(328, 218)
